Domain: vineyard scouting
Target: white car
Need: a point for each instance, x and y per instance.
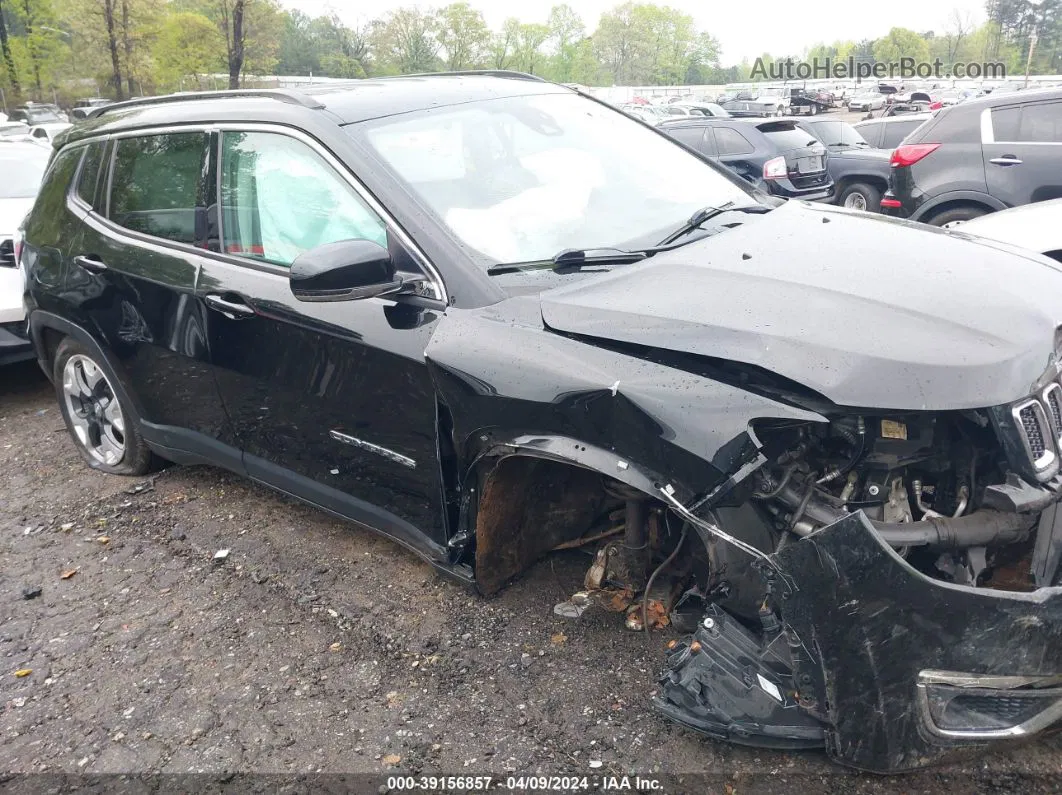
(47, 132)
(1037, 227)
(23, 165)
(868, 100)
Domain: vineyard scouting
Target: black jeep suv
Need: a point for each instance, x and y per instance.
(487, 316)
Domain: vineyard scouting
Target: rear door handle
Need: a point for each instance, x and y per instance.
(231, 309)
(1006, 160)
(91, 264)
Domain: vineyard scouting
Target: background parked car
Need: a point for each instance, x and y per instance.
(15, 131)
(889, 132)
(764, 102)
(1033, 226)
(683, 108)
(773, 154)
(860, 173)
(34, 113)
(46, 132)
(983, 155)
(867, 101)
(22, 165)
(83, 107)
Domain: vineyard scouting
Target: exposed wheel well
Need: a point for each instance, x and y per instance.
(527, 506)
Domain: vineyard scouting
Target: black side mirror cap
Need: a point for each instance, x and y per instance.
(347, 270)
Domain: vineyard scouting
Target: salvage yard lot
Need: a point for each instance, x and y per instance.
(317, 646)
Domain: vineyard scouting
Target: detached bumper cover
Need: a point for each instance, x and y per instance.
(903, 669)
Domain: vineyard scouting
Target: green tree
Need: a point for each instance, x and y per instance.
(404, 41)
(528, 55)
(901, 43)
(503, 44)
(188, 45)
(566, 34)
(9, 60)
(463, 36)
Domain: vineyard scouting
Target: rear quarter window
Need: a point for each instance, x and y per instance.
(49, 209)
(90, 169)
(956, 125)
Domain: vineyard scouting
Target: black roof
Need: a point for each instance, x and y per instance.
(347, 102)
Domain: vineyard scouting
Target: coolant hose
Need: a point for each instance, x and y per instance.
(976, 529)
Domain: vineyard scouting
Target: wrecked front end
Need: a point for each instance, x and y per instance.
(910, 606)
(880, 583)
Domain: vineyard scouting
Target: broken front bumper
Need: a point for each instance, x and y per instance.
(899, 670)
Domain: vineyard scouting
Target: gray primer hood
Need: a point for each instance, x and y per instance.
(868, 311)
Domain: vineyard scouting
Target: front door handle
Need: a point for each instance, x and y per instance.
(1006, 160)
(90, 263)
(231, 309)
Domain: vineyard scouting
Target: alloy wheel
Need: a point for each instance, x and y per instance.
(94, 411)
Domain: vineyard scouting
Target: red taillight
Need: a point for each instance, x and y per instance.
(936, 106)
(775, 168)
(909, 154)
(891, 204)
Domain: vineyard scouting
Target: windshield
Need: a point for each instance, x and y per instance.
(23, 171)
(43, 116)
(837, 133)
(519, 179)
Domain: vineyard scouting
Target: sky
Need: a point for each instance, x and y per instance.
(744, 29)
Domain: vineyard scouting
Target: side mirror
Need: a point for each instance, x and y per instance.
(348, 270)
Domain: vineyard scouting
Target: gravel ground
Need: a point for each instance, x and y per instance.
(318, 646)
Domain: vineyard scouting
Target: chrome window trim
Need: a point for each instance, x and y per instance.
(987, 131)
(433, 273)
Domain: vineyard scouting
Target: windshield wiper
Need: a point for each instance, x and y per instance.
(572, 259)
(706, 214)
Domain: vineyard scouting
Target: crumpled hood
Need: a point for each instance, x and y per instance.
(868, 311)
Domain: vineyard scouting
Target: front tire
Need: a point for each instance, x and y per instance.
(861, 196)
(103, 427)
(956, 214)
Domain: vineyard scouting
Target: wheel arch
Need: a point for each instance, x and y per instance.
(955, 199)
(47, 331)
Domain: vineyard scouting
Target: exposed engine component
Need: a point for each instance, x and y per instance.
(919, 478)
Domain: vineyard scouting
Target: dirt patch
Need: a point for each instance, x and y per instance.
(318, 646)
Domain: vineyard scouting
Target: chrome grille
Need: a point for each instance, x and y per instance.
(1037, 434)
(1052, 397)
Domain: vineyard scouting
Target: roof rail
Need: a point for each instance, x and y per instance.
(506, 73)
(280, 94)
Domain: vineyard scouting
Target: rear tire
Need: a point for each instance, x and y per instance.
(105, 429)
(956, 214)
(861, 196)
(814, 110)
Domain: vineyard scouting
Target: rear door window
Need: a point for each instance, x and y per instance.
(731, 142)
(691, 136)
(158, 185)
(1041, 122)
